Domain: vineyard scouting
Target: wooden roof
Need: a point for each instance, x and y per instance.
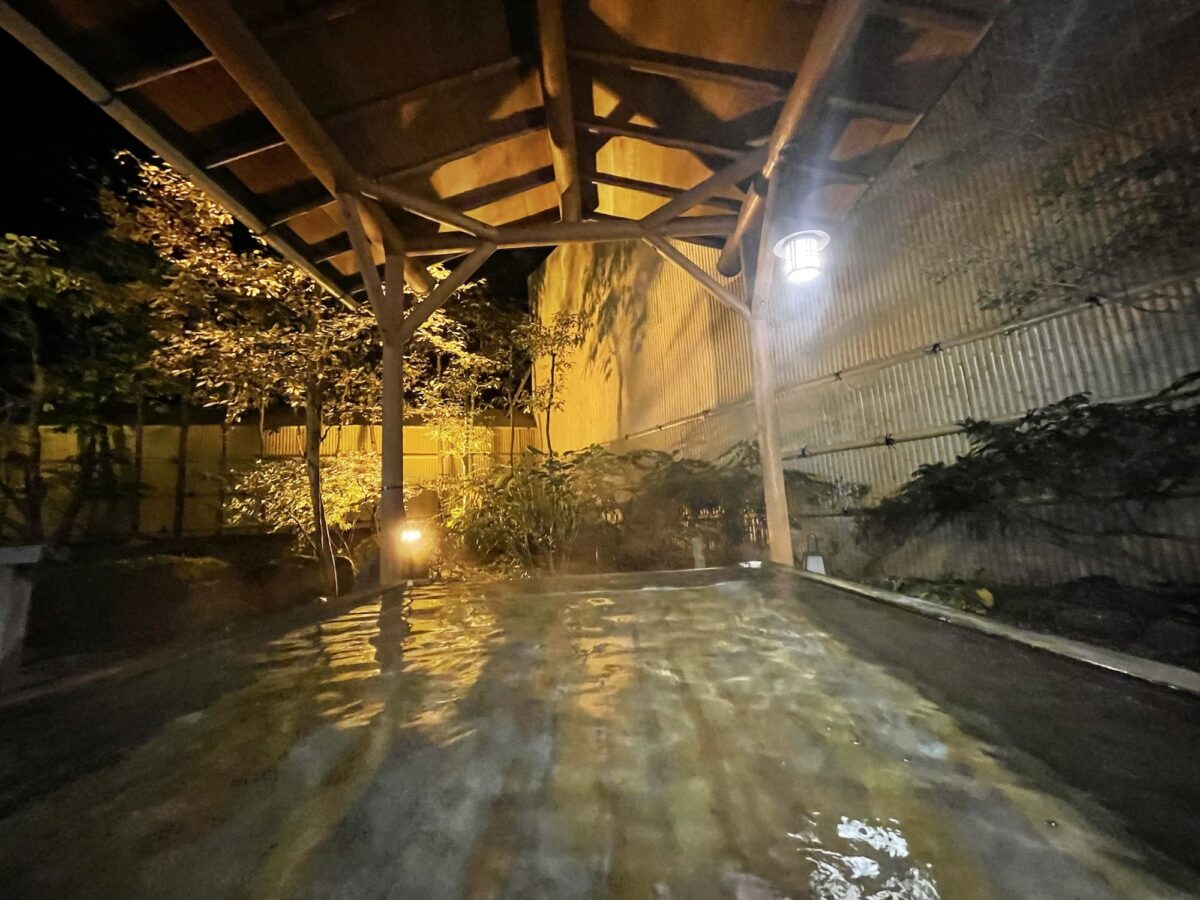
(447, 100)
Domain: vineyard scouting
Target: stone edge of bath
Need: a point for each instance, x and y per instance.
(1163, 674)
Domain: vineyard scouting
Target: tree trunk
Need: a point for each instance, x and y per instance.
(550, 403)
(181, 463)
(262, 426)
(222, 471)
(512, 413)
(312, 467)
(139, 454)
(83, 484)
(34, 485)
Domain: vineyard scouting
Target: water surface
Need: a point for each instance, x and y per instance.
(748, 737)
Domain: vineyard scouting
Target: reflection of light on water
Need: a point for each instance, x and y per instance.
(887, 839)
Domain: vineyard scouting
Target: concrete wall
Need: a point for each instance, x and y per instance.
(878, 362)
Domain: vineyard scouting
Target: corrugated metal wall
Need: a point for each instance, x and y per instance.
(889, 347)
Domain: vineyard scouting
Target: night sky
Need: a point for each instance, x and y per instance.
(59, 145)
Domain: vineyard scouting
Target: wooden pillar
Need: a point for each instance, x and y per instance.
(391, 500)
(779, 529)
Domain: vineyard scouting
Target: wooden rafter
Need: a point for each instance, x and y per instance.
(429, 209)
(658, 190)
(717, 290)
(444, 291)
(690, 68)
(560, 119)
(839, 26)
(663, 139)
(739, 170)
(225, 34)
(551, 233)
(500, 190)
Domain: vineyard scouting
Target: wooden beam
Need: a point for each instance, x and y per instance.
(445, 85)
(659, 190)
(428, 209)
(499, 190)
(352, 220)
(556, 94)
(691, 68)
(551, 233)
(225, 34)
(186, 61)
(739, 170)
(654, 136)
(918, 15)
(415, 273)
(444, 291)
(896, 115)
(838, 28)
(517, 125)
(672, 254)
(252, 147)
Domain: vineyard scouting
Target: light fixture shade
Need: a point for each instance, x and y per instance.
(801, 255)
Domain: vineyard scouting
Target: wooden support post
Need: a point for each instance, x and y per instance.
(672, 254)
(560, 121)
(779, 528)
(387, 302)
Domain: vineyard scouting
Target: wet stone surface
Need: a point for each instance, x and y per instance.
(592, 740)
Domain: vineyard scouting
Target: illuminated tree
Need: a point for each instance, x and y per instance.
(73, 333)
(240, 328)
(551, 343)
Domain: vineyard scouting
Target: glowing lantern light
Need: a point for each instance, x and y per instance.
(801, 255)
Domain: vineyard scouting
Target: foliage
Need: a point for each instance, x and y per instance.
(72, 339)
(274, 493)
(629, 511)
(236, 325)
(1113, 458)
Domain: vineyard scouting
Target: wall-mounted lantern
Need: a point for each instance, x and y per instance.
(801, 255)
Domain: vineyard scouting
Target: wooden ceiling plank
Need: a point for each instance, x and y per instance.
(560, 119)
(691, 68)
(444, 85)
(524, 123)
